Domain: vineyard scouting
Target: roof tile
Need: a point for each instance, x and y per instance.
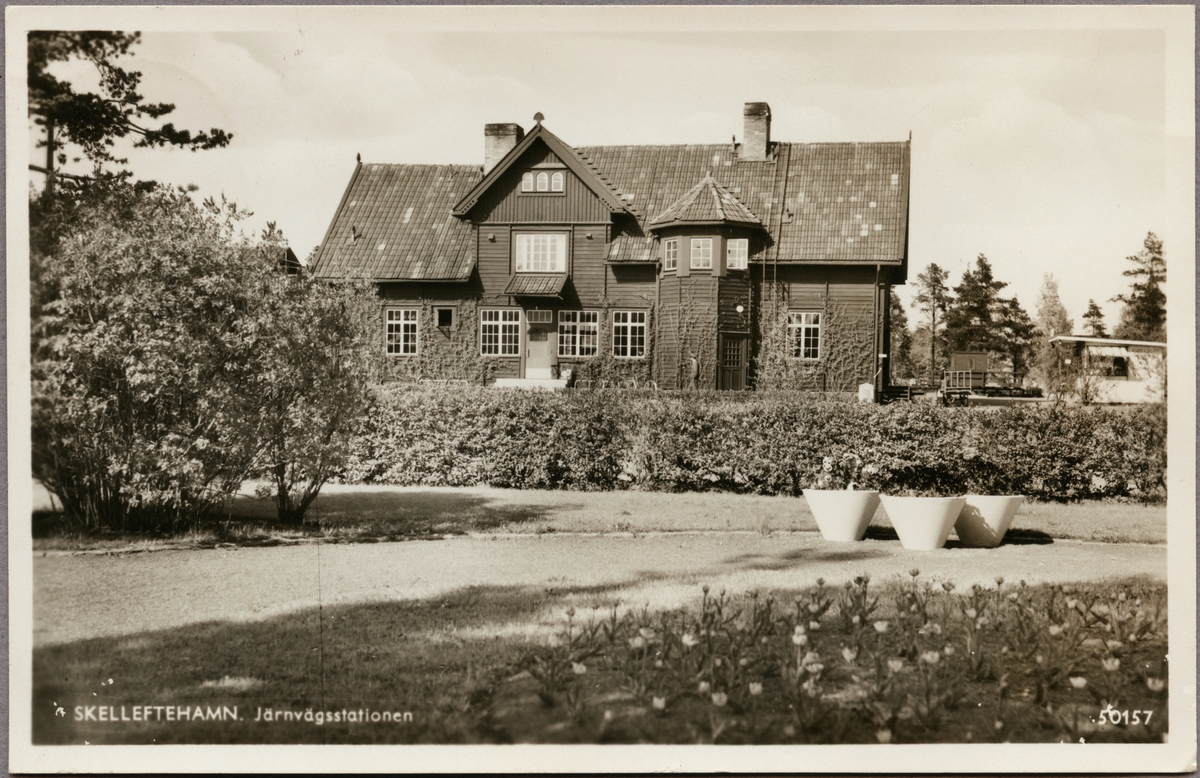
(396, 224)
(813, 199)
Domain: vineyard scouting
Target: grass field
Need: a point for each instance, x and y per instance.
(350, 513)
(892, 662)
(579, 617)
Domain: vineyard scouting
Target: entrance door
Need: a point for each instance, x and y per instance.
(733, 350)
(539, 351)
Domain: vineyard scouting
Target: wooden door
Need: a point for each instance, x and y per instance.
(539, 354)
(733, 354)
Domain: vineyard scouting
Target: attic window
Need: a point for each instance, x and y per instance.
(542, 182)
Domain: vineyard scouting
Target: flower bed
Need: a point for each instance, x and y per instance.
(768, 443)
(917, 664)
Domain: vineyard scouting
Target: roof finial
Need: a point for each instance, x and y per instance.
(358, 157)
(537, 117)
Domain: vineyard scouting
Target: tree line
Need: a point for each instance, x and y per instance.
(975, 315)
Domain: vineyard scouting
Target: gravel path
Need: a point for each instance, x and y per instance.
(84, 596)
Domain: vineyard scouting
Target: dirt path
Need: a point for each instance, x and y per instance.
(84, 596)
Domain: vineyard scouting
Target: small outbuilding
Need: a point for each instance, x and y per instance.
(1115, 371)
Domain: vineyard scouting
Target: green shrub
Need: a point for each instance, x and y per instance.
(764, 443)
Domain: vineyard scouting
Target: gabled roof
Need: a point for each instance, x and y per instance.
(841, 203)
(705, 203)
(593, 180)
(820, 202)
(395, 222)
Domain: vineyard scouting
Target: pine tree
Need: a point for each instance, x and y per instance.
(1016, 336)
(980, 319)
(933, 300)
(971, 322)
(1144, 316)
(1093, 321)
(92, 122)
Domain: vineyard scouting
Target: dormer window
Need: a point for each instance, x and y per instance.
(527, 182)
(737, 251)
(543, 182)
(556, 182)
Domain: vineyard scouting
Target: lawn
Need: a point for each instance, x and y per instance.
(898, 661)
(349, 513)
(582, 617)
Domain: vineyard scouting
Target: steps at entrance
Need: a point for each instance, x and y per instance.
(535, 384)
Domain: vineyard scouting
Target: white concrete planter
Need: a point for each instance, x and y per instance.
(842, 514)
(923, 523)
(985, 518)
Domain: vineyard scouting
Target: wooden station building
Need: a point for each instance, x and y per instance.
(729, 266)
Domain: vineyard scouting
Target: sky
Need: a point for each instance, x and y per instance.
(1048, 139)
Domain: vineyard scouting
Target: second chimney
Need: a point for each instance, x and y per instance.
(756, 140)
(498, 140)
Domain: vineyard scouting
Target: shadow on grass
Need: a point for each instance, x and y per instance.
(411, 512)
(797, 557)
(361, 515)
(876, 532)
(1026, 537)
(409, 655)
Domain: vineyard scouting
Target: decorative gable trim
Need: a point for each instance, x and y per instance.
(565, 153)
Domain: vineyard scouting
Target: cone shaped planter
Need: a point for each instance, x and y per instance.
(923, 523)
(985, 518)
(842, 514)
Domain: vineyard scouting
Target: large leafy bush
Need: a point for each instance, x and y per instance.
(139, 358)
(172, 359)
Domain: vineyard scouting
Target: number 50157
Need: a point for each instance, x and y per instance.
(1111, 715)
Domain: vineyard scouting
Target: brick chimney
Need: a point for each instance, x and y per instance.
(498, 140)
(756, 139)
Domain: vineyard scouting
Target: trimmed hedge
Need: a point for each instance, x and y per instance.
(765, 443)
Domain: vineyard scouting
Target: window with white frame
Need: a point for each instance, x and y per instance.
(527, 182)
(540, 252)
(737, 251)
(401, 330)
(629, 334)
(500, 333)
(671, 254)
(543, 182)
(804, 334)
(701, 253)
(578, 333)
(556, 182)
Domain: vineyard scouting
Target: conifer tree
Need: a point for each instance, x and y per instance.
(1144, 316)
(1093, 321)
